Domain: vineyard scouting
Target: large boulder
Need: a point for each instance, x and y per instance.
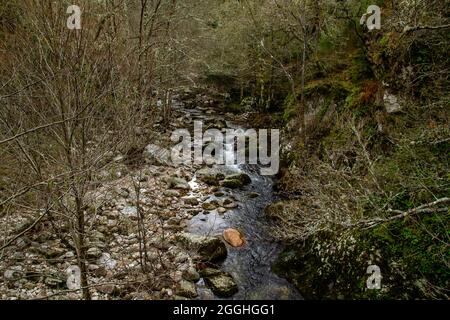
(221, 283)
(235, 181)
(207, 248)
(243, 177)
(210, 176)
(231, 183)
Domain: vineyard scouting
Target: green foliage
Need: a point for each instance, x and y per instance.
(325, 45)
(336, 138)
(415, 247)
(289, 107)
(417, 173)
(328, 87)
(360, 68)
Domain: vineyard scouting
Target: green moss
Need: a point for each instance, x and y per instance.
(416, 173)
(407, 253)
(289, 107)
(336, 138)
(360, 68)
(416, 247)
(329, 87)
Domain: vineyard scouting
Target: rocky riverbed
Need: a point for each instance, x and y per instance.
(205, 232)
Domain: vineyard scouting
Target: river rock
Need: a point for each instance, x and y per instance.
(209, 272)
(94, 252)
(73, 281)
(221, 210)
(207, 248)
(231, 183)
(53, 252)
(216, 123)
(172, 193)
(13, 274)
(106, 261)
(227, 201)
(236, 180)
(123, 192)
(154, 154)
(193, 201)
(54, 281)
(209, 206)
(178, 183)
(234, 237)
(68, 255)
(219, 194)
(187, 289)
(190, 274)
(97, 236)
(242, 177)
(97, 271)
(391, 103)
(229, 204)
(130, 212)
(221, 283)
(253, 195)
(210, 176)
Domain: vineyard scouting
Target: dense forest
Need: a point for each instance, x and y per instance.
(92, 206)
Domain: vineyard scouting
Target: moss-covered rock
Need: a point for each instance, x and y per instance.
(210, 176)
(187, 289)
(221, 283)
(231, 183)
(236, 181)
(242, 177)
(207, 248)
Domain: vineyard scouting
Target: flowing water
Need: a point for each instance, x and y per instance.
(251, 264)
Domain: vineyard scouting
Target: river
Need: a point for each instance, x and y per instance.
(249, 265)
